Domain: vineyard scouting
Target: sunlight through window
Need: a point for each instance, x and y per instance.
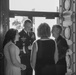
(38, 5)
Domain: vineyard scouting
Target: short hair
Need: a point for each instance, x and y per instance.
(27, 21)
(9, 36)
(43, 30)
(59, 27)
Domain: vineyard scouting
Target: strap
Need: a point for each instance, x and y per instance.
(33, 54)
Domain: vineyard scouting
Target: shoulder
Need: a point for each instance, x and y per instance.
(52, 40)
(63, 39)
(35, 46)
(22, 31)
(12, 47)
(63, 42)
(35, 43)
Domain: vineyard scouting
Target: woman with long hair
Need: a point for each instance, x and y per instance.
(12, 62)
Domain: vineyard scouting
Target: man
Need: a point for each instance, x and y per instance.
(25, 41)
(61, 66)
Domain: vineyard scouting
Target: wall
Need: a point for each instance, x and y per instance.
(68, 22)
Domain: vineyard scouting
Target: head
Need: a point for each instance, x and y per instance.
(44, 30)
(56, 30)
(11, 35)
(27, 25)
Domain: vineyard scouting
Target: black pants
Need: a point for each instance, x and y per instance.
(61, 67)
(25, 59)
(28, 71)
(45, 70)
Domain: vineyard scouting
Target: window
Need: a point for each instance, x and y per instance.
(31, 5)
(34, 5)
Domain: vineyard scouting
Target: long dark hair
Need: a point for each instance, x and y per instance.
(9, 36)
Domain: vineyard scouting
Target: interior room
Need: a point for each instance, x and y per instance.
(13, 13)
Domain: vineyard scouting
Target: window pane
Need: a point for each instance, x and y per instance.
(37, 5)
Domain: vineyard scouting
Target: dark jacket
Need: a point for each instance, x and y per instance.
(25, 57)
(62, 47)
(61, 66)
(28, 39)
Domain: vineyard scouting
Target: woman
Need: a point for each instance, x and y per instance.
(11, 53)
(43, 52)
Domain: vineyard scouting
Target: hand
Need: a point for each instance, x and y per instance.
(56, 60)
(23, 67)
(29, 47)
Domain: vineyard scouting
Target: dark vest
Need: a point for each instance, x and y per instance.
(45, 54)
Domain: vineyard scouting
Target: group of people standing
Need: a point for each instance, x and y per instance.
(23, 52)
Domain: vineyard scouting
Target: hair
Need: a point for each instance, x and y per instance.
(44, 30)
(59, 27)
(27, 21)
(9, 36)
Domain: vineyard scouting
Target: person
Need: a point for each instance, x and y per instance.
(43, 52)
(25, 41)
(12, 64)
(61, 66)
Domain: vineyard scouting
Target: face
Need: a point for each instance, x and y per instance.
(17, 37)
(27, 27)
(55, 32)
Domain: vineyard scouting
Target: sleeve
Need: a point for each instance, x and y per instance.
(33, 55)
(64, 46)
(12, 53)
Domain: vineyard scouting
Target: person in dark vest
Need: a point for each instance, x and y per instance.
(25, 41)
(61, 66)
(43, 52)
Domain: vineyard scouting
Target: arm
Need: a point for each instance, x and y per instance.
(56, 53)
(14, 60)
(33, 55)
(63, 47)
